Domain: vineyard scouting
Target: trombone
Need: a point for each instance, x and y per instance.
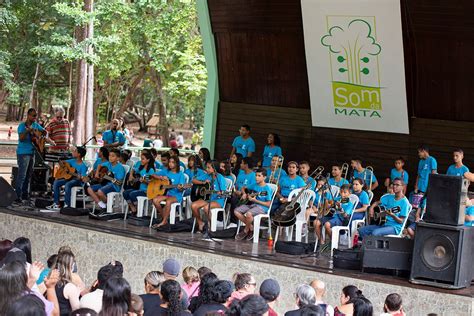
(371, 169)
(345, 170)
(274, 178)
(317, 172)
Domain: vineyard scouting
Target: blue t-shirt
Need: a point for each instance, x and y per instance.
(394, 173)
(425, 166)
(327, 195)
(113, 137)
(277, 171)
(219, 185)
(312, 181)
(340, 183)
(243, 146)
(137, 165)
(245, 179)
(469, 211)
(365, 175)
(176, 178)
(363, 199)
(80, 168)
(144, 173)
(268, 153)
(348, 208)
(25, 147)
(118, 170)
(193, 174)
(389, 201)
(268, 197)
(453, 171)
(158, 165)
(99, 162)
(230, 178)
(287, 185)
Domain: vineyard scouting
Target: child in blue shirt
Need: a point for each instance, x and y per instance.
(397, 172)
(304, 173)
(145, 170)
(363, 173)
(80, 168)
(275, 172)
(337, 179)
(469, 214)
(321, 199)
(246, 176)
(364, 201)
(427, 165)
(98, 192)
(271, 149)
(173, 195)
(287, 184)
(175, 152)
(225, 169)
(458, 168)
(257, 205)
(243, 144)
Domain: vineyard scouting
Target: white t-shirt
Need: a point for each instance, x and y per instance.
(157, 143)
(93, 300)
(180, 140)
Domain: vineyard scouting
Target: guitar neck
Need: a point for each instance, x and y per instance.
(106, 177)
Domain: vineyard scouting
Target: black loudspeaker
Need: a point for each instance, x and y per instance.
(39, 181)
(443, 256)
(7, 193)
(387, 253)
(446, 199)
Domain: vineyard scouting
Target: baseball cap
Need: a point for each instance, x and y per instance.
(171, 267)
(270, 290)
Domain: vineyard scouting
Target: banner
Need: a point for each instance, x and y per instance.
(354, 56)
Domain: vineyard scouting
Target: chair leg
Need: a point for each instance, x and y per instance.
(214, 220)
(276, 236)
(153, 214)
(256, 229)
(298, 231)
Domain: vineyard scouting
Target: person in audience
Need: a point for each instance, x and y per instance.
(216, 201)
(98, 192)
(320, 290)
(305, 295)
(174, 195)
(5, 246)
(397, 172)
(203, 271)
(348, 294)
(304, 173)
(243, 144)
(253, 304)
(364, 201)
(245, 284)
(337, 179)
(171, 269)
(170, 299)
(426, 166)
(180, 140)
(458, 168)
(93, 299)
(270, 291)
(194, 169)
(84, 312)
(24, 244)
(206, 292)
(175, 152)
(116, 298)
(259, 204)
(221, 294)
(469, 213)
(271, 149)
(205, 156)
(191, 282)
(395, 219)
(113, 138)
(50, 265)
(66, 291)
(157, 142)
(136, 306)
(275, 171)
(287, 184)
(225, 169)
(363, 307)
(360, 172)
(81, 168)
(393, 305)
(144, 171)
(26, 305)
(341, 216)
(152, 300)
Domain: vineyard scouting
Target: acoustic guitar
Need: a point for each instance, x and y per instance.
(336, 207)
(251, 194)
(66, 171)
(380, 214)
(38, 139)
(204, 192)
(158, 187)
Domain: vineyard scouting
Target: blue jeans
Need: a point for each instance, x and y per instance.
(25, 173)
(68, 185)
(376, 230)
(131, 195)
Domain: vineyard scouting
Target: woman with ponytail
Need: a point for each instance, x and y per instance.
(348, 295)
(171, 299)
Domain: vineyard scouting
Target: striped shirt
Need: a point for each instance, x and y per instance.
(60, 133)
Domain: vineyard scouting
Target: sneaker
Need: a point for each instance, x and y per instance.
(102, 205)
(53, 207)
(241, 235)
(249, 235)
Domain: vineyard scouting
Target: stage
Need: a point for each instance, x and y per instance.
(142, 249)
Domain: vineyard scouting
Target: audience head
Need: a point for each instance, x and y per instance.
(274, 139)
(171, 295)
(103, 275)
(153, 281)
(24, 244)
(253, 305)
(203, 271)
(245, 282)
(349, 294)
(14, 254)
(190, 275)
(206, 288)
(171, 268)
(84, 312)
(117, 267)
(5, 246)
(117, 297)
(312, 310)
(136, 306)
(222, 291)
(27, 305)
(319, 288)
(65, 264)
(270, 290)
(13, 283)
(362, 307)
(393, 303)
(305, 295)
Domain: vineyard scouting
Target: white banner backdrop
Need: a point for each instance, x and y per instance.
(354, 56)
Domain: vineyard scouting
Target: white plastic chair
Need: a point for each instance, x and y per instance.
(215, 211)
(258, 218)
(399, 235)
(134, 159)
(335, 190)
(112, 195)
(338, 229)
(80, 190)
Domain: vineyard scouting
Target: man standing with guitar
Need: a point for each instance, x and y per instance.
(30, 138)
(394, 220)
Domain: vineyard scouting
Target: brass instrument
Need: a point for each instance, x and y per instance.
(345, 170)
(318, 172)
(371, 169)
(273, 178)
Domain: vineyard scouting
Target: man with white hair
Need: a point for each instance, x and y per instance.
(320, 289)
(59, 130)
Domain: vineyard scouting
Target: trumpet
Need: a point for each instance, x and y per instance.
(371, 169)
(345, 170)
(274, 178)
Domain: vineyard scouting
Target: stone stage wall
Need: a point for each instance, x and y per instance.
(94, 249)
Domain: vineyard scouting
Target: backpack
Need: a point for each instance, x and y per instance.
(185, 225)
(74, 211)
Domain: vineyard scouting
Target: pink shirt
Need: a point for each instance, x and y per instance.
(191, 289)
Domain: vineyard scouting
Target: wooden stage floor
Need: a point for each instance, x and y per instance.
(227, 247)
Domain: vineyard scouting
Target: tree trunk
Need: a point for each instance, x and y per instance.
(131, 93)
(162, 108)
(90, 114)
(32, 92)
